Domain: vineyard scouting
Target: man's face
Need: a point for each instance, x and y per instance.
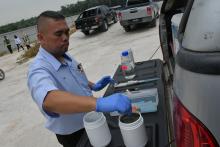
(54, 36)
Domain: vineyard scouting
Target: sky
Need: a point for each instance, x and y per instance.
(15, 10)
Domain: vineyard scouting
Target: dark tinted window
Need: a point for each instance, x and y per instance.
(104, 10)
(89, 13)
(107, 8)
(99, 11)
(80, 16)
(136, 2)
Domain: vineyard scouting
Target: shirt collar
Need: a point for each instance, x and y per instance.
(51, 59)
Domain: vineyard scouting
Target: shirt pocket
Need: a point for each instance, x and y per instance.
(81, 76)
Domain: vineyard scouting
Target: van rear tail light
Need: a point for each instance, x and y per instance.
(119, 15)
(149, 11)
(189, 131)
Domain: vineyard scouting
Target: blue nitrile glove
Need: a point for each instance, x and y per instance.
(102, 83)
(116, 102)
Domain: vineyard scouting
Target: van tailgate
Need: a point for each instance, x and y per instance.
(134, 13)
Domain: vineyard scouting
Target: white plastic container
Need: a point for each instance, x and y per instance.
(97, 129)
(133, 130)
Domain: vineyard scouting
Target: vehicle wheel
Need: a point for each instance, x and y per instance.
(115, 19)
(86, 33)
(2, 74)
(157, 15)
(104, 26)
(153, 23)
(127, 28)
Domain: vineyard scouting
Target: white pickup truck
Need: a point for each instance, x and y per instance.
(137, 12)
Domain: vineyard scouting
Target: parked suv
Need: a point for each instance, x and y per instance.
(94, 18)
(195, 98)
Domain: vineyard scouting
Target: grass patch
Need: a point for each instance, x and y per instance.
(72, 29)
(2, 53)
(32, 52)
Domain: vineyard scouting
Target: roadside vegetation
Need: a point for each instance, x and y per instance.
(18, 25)
(32, 52)
(72, 29)
(2, 53)
(80, 6)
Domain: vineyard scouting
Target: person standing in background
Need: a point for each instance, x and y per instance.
(7, 42)
(18, 42)
(26, 40)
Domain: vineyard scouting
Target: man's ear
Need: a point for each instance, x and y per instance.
(40, 37)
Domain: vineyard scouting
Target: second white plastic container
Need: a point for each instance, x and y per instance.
(97, 129)
(133, 130)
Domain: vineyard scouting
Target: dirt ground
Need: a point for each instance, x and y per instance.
(21, 123)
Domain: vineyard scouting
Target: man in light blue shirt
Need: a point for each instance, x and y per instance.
(59, 86)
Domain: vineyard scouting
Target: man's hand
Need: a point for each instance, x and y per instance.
(102, 83)
(116, 102)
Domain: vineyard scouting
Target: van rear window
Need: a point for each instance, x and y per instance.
(136, 2)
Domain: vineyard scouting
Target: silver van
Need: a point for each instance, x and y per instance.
(194, 72)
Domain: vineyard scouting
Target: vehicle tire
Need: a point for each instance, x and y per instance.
(86, 33)
(153, 23)
(2, 74)
(104, 26)
(157, 15)
(115, 19)
(127, 28)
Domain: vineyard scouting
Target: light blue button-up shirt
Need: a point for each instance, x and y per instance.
(46, 73)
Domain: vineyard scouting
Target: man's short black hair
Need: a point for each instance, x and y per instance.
(48, 14)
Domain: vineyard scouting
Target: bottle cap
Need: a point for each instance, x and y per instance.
(124, 53)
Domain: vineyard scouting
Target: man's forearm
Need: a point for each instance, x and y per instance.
(65, 103)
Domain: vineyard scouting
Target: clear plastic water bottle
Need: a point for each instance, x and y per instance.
(127, 65)
(130, 54)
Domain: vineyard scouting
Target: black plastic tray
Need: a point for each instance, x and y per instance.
(159, 128)
(117, 140)
(145, 70)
